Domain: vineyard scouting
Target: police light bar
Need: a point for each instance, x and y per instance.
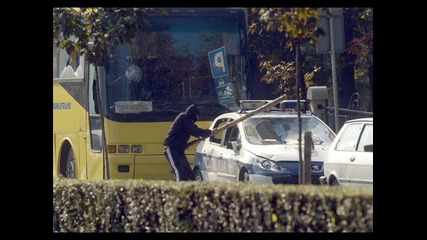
(251, 104)
(291, 105)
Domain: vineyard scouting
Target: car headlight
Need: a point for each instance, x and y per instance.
(266, 164)
(270, 165)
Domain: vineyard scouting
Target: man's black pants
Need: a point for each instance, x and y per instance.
(179, 164)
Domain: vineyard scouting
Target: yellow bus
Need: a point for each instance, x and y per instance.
(110, 119)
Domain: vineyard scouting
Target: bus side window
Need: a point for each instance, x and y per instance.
(60, 61)
(94, 117)
(93, 91)
(95, 95)
(65, 66)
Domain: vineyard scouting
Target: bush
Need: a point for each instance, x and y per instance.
(168, 206)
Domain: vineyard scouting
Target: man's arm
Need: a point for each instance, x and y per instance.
(195, 131)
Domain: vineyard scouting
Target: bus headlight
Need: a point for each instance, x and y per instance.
(136, 148)
(123, 148)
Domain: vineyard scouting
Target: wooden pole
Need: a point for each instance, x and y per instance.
(308, 144)
(244, 117)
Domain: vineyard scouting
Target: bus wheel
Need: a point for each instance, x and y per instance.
(70, 171)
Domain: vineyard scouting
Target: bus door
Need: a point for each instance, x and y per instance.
(94, 162)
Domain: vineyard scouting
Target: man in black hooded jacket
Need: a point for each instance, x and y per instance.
(176, 142)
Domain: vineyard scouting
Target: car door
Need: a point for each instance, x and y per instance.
(360, 167)
(343, 154)
(227, 164)
(214, 151)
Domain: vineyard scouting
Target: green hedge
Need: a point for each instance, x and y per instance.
(168, 206)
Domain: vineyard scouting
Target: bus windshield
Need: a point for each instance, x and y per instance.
(167, 67)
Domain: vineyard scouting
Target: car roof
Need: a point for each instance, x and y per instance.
(370, 119)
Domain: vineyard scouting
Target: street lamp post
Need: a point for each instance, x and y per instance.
(334, 72)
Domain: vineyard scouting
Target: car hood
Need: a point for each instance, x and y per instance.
(287, 152)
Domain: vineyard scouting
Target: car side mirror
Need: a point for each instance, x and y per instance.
(233, 145)
(368, 148)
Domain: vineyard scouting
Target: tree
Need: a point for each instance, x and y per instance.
(299, 28)
(277, 61)
(75, 28)
(361, 47)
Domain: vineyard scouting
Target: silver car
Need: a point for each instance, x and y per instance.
(262, 148)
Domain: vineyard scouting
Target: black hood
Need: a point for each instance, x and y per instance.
(192, 112)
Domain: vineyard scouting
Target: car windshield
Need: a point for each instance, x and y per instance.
(281, 130)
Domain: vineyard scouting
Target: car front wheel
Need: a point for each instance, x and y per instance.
(244, 175)
(335, 182)
(198, 175)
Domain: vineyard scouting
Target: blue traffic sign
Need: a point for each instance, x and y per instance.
(218, 62)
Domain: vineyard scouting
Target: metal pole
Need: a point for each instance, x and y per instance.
(297, 85)
(334, 72)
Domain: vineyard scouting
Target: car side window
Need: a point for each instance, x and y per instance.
(349, 137)
(366, 137)
(217, 138)
(231, 134)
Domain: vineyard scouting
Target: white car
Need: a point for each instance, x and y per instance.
(263, 148)
(350, 158)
